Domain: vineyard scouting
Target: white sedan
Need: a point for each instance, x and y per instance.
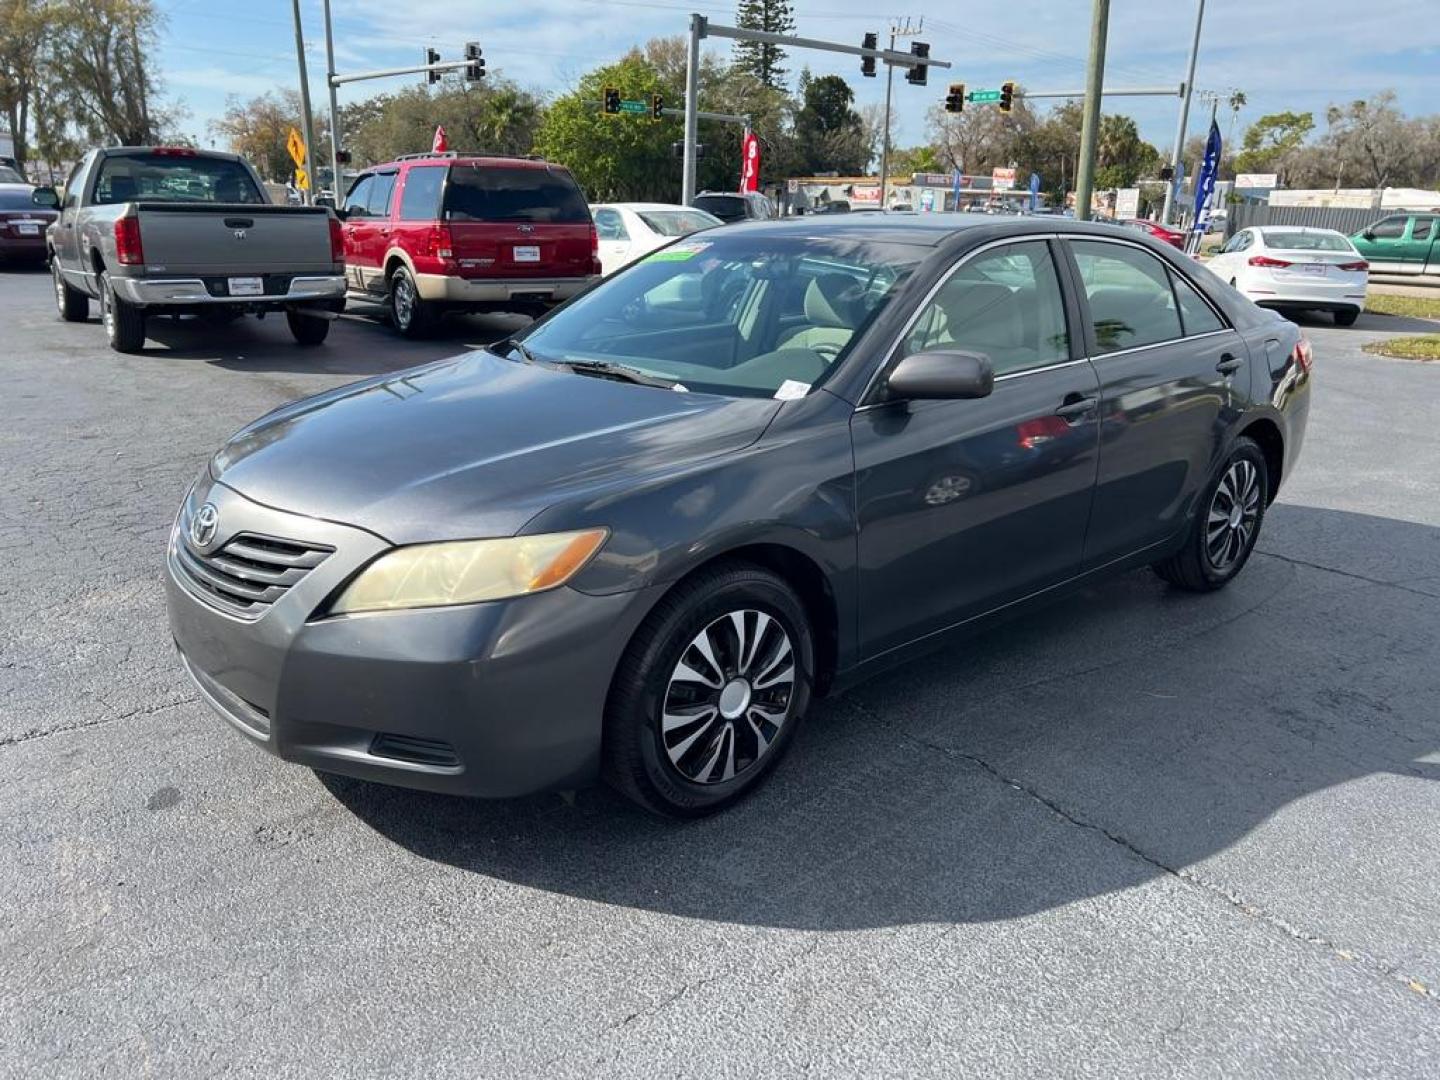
(1290, 267)
(629, 230)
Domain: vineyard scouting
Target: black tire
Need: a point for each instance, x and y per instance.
(124, 325)
(409, 314)
(1196, 567)
(636, 759)
(1347, 317)
(73, 305)
(309, 330)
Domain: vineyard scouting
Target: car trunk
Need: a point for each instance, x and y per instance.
(518, 221)
(237, 239)
(1308, 264)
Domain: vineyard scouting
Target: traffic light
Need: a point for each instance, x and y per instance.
(678, 149)
(432, 56)
(657, 106)
(1167, 172)
(1007, 96)
(867, 63)
(917, 75)
(611, 103)
(342, 156)
(955, 99)
(475, 69)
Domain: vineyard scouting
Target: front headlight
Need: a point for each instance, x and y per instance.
(469, 571)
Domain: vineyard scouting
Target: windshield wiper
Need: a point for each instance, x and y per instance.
(605, 370)
(511, 343)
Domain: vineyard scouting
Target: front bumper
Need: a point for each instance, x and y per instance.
(496, 699)
(459, 290)
(142, 292)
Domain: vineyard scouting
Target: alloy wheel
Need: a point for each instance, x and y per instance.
(1234, 511)
(404, 300)
(107, 308)
(58, 280)
(728, 697)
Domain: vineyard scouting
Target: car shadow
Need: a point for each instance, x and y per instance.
(1367, 322)
(1116, 736)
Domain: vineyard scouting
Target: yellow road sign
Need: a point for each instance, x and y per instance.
(302, 179)
(296, 145)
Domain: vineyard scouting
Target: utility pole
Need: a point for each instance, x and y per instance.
(692, 106)
(306, 129)
(895, 32)
(1089, 129)
(337, 191)
(1184, 116)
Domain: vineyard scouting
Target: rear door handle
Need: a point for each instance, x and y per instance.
(1228, 364)
(1075, 408)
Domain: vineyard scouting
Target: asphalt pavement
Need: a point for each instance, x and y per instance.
(1139, 833)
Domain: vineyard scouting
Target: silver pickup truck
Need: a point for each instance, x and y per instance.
(173, 231)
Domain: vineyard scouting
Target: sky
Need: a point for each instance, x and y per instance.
(1298, 55)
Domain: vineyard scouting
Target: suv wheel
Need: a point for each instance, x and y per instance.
(73, 305)
(411, 315)
(124, 325)
(710, 692)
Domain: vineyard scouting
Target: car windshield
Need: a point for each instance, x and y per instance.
(751, 316)
(174, 177)
(1307, 241)
(678, 222)
(724, 207)
(10, 176)
(538, 194)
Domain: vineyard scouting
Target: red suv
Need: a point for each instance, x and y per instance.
(429, 233)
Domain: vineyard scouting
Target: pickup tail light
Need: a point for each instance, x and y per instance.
(128, 249)
(173, 151)
(1360, 265)
(594, 250)
(337, 241)
(440, 244)
(1266, 260)
(1304, 356)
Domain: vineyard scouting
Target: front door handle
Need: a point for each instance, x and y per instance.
(1075, 408)
(1228, 365)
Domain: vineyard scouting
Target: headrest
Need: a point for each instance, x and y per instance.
(833, 300)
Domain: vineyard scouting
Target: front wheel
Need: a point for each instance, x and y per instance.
(710, 692)
(1225, 528)
(307, 329)
(124, 325)
(411, 315)
(1347, 317)
(73, 305)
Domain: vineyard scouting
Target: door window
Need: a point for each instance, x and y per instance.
(377, 202)
(1196, 316)
(1239, 242)
(1005, 303)
(1390, 228)
(1422, 228)
(72, 185)
(1129, 295)
(610, 226)
(355, 201)
(420, 201)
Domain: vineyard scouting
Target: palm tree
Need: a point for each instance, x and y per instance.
(1237, 102)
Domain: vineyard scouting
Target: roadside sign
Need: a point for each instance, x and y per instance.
(983, 97)
(1127, 203)
(1002, 179)
(1257, 180)
(302, 179)
(638, 108)
(296, 146)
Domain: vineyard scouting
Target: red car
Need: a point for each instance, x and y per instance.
(430, 233)
(1173, 237)
(24, 217)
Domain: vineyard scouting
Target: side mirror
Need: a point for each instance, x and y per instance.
(942, 375)
(1368, 235)
(47, 197)
(341, 213)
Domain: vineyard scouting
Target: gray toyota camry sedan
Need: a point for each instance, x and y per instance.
(633, 541)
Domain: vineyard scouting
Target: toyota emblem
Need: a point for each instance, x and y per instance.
(204, 525)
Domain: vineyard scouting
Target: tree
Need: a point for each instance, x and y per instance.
(831, 135)
(1271, 143)
(494, 115)
(24, 27)
(760, 59)
(101, 50)
(1373, 141)
(978, 139)
(258, 130)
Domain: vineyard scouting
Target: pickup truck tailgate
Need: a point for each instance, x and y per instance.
(234, 239)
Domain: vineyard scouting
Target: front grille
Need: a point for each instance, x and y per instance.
(249, 573)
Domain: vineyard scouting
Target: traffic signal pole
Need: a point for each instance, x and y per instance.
(1179, 147)
(335, 186)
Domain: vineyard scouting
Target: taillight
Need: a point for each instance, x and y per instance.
(1265, 260)
(128, 250)
(337, 241)
(1361, 265)
(594, 250)
(440, 244)
(173, 151)
(1303, 355)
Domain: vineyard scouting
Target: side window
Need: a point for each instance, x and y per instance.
(1390, 228)
(72, 184)
(1005, 303)
(1196, 316)
(377, 203)
(355, 201)
(420, 200)
(610, 225)
(1239, 242)
(1128, 293)
(1423, 226)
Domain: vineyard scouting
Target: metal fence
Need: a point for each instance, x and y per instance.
(1345, 219)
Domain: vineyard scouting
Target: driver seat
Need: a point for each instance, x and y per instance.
(833, 308)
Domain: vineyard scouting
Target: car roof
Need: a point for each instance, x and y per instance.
(1265, 230)
(644, 206)
(927, 229)
(452, 158)
(10, 185)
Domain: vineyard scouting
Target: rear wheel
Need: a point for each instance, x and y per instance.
(1226, 526)
(411, 315)
(124, 324)
(710, 692)
(1347, 317)
(73, 305)
(308, 329)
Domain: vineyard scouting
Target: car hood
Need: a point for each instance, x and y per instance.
(474, 446)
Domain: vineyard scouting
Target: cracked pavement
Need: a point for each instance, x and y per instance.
(1135, 833)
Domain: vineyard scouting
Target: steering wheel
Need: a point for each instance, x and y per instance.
(828, 351)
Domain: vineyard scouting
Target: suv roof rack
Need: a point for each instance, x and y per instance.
(467, 153)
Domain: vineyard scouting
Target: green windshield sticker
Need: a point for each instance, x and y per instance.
(678, 253)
